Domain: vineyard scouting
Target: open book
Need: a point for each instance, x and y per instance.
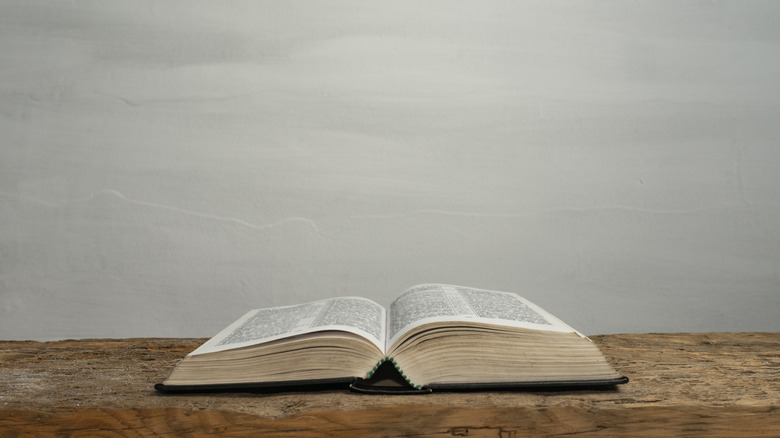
(434, 336)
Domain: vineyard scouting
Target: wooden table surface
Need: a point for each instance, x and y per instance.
(709, 384)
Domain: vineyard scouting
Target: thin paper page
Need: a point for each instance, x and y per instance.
(438, 302)
(350, 314)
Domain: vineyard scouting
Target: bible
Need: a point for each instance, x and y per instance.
(432, 337)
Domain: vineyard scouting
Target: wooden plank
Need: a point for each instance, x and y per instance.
(713, 384)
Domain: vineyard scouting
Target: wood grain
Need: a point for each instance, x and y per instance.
(712, 384)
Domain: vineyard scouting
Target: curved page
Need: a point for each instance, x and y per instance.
(356, 315)
(428, 303)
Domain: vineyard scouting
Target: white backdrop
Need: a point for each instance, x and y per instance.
(167, 165)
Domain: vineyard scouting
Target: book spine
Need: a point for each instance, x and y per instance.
(397, 367)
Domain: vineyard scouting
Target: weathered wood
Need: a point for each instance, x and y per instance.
(713, 384)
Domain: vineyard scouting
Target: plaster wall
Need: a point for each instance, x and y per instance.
(167, 165)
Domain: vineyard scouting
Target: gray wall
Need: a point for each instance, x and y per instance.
(167, 165)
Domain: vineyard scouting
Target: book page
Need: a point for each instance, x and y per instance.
(439, 302)
(356, 315)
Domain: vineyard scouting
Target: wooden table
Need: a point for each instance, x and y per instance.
(712, 384)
